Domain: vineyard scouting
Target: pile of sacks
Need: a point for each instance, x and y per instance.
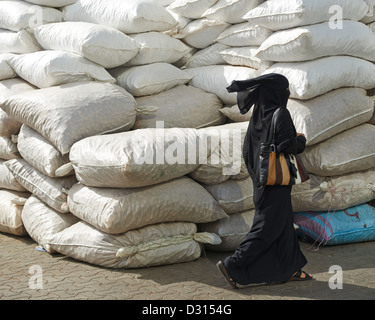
(122, 147)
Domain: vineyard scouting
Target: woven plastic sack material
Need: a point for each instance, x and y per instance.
(39, 152)
(128, 17)
(7, 179)
(350, 151)
(244, 56)
(231, 11)
(136, 158)
(183, 107)
(119, 210)
(68, 113)
(103, 45)
(244, 34)
(13, 86)
(41, 221)
(52, 3)
(19, 15)
(154, 245)
(207, 56)
(286, 14)
(6, 72)
(11, 205)
(233, 113)
(215, 79)
(18, 42)
(157, 47)
(150, 79)
(52, 68)
(352, 225)
(310, 79)
(52, 191)
(8, 149)
(329, 114)
(192, 9)
(334, 193)
(231, 230)
(233, 195)
(203, 32)
(320, 40)
(225, 161)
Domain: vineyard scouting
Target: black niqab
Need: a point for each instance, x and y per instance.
(266, 93)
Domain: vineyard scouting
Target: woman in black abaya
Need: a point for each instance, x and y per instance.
(270, 252)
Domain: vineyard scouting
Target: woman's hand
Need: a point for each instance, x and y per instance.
(300, 134)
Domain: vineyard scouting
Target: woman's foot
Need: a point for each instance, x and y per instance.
(222, 269)
(301, 276)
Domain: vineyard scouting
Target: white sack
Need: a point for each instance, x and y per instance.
(39, 152)
(231, 230)
(183, 107)
(52, 191)
(68, 113)
(244, 56)
(244, 34)
(207, 56)
(215, 79)
(329, 114)
(334, 193)
(136, 158)
(119, 210)
(233, 195)
(231, 11)
(41, 221)
(154, 245)
(7, 179)
(286, 14)
(150, 79)
(320, 40)
(103, 45)
(18, 42)
(18, 15)
(350, 151)
(52, 68)
(11, 205)
(6, 72)
(52, 3)
(203, 32)
(192, 9)
(157, 47)
(128, 17)
(8, 149)
(313, 78)
(225, 160)
(13, 86)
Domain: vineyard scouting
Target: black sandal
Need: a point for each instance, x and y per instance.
(222, 269)
(298, 276)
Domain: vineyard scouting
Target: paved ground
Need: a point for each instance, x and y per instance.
(67, 279)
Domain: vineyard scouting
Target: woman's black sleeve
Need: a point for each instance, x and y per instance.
(286, 137)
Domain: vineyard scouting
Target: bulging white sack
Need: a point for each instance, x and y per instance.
(68, 113)
(150, 79)
(136, 158)
(183, 107)
(52, 3)
(18, 15)
(6, 72)
(10, 87)
(18, 42)
(11, 205)
(207, 56)
(350, 151)
(161, 244)
(8, 149)
(7, 179)
(39, 152)
(52, 191)
(119, 210)
(320, 40)
(215, 79)
(49, 68)
(244, 56)
(310, 79)
(41, 221)
(286, 14)
(128, 17)
(103, 45)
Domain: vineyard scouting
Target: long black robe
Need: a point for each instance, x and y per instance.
(270, 252)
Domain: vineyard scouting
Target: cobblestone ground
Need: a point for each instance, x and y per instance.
(68, 279)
